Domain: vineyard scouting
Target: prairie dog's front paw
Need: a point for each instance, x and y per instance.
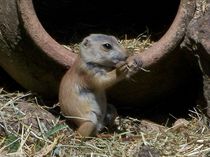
(133, 65)
(122, 68)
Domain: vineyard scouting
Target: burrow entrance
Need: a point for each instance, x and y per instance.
(69, 21)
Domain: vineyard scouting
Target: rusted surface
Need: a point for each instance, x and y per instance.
(197, 40)
(40, 37)
(168, 68)
(27, 53)
(173, 36)
(37, 62)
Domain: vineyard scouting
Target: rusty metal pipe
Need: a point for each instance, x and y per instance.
(37, 62)
(40, 37)
(172, 37)
(27, 53)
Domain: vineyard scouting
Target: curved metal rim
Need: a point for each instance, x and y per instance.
(40, 37)
(65, 57)
(172, 37)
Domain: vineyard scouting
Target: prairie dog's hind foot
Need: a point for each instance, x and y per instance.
(87, 129)
(92, 125)
(111, 115)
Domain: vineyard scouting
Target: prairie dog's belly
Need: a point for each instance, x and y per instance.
(94, 101)
(83, 86)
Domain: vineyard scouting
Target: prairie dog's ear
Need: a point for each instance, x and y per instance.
(86, 43)
(115, 39)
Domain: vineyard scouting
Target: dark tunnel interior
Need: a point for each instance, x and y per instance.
(70, 21)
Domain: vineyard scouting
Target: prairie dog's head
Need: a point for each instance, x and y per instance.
(103, 50)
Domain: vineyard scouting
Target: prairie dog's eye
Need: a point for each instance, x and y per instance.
(107, 46)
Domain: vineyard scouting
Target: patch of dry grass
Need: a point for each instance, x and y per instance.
(134, 45)
(138, 44)
(132, 137)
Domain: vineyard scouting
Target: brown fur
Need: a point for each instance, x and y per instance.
(82, 90)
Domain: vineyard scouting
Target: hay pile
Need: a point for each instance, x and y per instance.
(36, 132)
(134, 45)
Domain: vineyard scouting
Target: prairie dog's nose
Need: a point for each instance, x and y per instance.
(118, 58)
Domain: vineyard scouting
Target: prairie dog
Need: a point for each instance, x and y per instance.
(101, 63)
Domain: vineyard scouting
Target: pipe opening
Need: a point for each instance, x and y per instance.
(70, 21)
